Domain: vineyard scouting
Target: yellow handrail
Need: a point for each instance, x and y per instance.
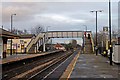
(92, 42)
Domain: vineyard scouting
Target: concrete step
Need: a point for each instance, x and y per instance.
(32, 49)
(89, 46)
(87, 42)
(88, 50)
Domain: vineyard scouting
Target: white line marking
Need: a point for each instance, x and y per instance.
(56, 68)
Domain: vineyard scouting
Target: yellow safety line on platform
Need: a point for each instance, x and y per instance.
(68, 71)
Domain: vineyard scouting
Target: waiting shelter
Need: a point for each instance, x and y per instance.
(4, 36)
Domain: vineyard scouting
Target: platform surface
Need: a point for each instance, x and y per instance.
(92, 66)
(18, 57)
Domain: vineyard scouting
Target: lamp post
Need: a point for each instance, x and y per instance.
(110, 32)
(96, 27)
(11, 32)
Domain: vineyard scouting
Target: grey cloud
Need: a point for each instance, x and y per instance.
(24, 11)
(58, 1)
(27, 11)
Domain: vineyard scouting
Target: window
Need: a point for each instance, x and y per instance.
(21, 41)
(9, 41)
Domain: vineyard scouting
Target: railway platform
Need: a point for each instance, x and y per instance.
(92, 67)
(19, 57)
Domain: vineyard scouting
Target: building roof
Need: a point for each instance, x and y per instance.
(5, 33)
(58, 45)
(25, 36)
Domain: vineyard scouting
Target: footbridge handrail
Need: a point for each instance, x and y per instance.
(92, 42)
(34, 41)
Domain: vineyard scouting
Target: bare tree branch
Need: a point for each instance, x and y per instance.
(37, 29)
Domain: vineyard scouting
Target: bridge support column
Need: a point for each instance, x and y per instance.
(37, 46)
(44, 47)
(44, 44)
(36, 49)
(4, 47)
(40, 42)
(1, 47)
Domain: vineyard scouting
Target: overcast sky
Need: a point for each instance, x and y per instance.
(58, 15)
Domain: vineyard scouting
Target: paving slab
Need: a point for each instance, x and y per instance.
(92, 66)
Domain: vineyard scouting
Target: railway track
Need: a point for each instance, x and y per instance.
(29, 71)
(52, 67)
(54, 72)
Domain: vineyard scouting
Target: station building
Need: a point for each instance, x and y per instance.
(19, 42)
(19, 45)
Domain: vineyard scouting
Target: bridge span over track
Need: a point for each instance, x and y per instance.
(66, 34)
(43, 38)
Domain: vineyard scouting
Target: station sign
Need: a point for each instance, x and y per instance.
(105, 29)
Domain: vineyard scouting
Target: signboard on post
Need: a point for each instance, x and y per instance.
(105, 29)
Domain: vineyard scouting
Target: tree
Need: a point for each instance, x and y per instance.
(13, 30)
(73, 43)
(19, 32)
(68, 46)
(25, 31)
(37, 29)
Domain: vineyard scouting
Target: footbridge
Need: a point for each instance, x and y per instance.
(43, 38)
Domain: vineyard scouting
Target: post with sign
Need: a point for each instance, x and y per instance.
(105, 30)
